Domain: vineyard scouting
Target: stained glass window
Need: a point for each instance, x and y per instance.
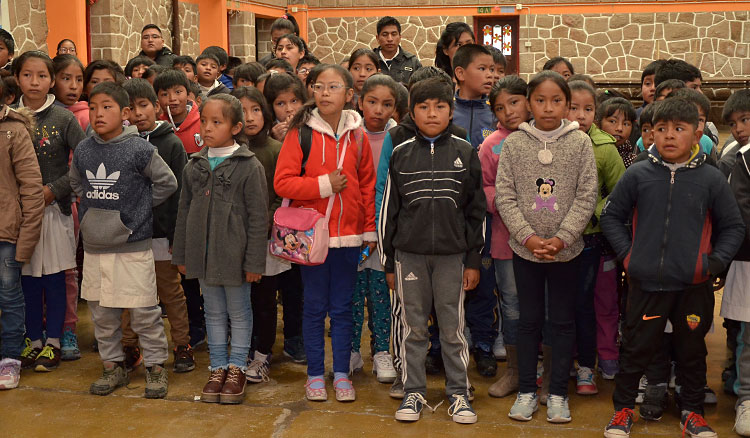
(507, 47)
(487, 34)
(499, 36)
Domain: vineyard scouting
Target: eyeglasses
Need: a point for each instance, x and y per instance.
(332, 88)
(304, 71)
(64, 50)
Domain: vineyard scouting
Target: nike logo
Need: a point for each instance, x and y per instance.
(646, 318)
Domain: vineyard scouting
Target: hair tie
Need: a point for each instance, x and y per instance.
(285, 17)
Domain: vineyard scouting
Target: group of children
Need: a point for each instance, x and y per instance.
(459, 189)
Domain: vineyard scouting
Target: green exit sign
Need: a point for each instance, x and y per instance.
(484, 10)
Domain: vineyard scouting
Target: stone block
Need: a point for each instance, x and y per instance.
(686, 17)
(575, 21)
(579, 64)
(741, 51)
(735, 31)
(679, 31)
(600, 55)
(596, 24)
(719, 30)
(526, 63)
(615, 35)
(746, 67)
(736, 65)
(614, 49)
(552, 48)
(641, 18)
(568, 48)
(610, 66)
(727, 48)
(578, 35)
(678, 46)
(703, 19)
(560, 32)
(647, 32)
(544, 21)
(584, 49)
(593, 67)
(618, 21)
(707, 65)
(631, 32)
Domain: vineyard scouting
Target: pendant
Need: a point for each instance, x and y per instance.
(545, 156)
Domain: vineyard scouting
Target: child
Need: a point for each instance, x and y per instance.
(286, 95)
(69, 87)
(678, 288)
(305, 66)
(119, 177)
(7, 49)
(362, 64)
(560, 65)
(223, 58)
(648, 86)
(454, 36)
(647, 127)
(704, 108)
(22, 206)
(246, 75)
(340, 171)
(12, 92)
(171, 89)
(57, 133)
(546, 194)
(401, 112)
(155, 70)
(283, 25)
(500, 62)
(509, 104)
(221, 240)
(679, 69)
(280, 66)
(187, 65)
(137, 66)
(291, 49)
(597, 309)
(377, 102)
(616, 117)
(101, 71)
(208, 74)
(144, 108)
(433, 260)
(666, 87)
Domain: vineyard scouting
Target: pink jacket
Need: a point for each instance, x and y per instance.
(80, 109)
(489, 153)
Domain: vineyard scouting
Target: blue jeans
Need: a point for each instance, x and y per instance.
(226, 305)
(508, 294)
(47, 291)
(12, 304)
(328, 291)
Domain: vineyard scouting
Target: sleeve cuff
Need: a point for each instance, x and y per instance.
(370, 236)
(473, 260)
(324, 185)
(523, 242)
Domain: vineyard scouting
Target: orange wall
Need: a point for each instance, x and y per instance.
(67, 19)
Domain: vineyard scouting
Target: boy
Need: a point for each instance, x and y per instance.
(280, 66)
(187, 65)
(171, 89)
(666, 87)
(422, 263)
(208, 73)
(7, 49)
(703, 105)
(119, 178)
(500, 62)
(696, 233)
(736, 114)
(645, 121)
(678, 69)
(246, 75)
(143, 110)
(223, 58)
(305, 66)
(648, 87)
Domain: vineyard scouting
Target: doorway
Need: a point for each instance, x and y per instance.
(500, 32)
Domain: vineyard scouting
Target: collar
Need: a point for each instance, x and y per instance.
(398, 51)
(47, 104)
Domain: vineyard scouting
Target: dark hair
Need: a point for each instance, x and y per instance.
(549, 75)
(103, 64)
(303, 115)
(153, 71)
(283, 82)
(256, 96)
(265, 76)
(139, 88)
(676, 69)
(556, 60)
(209, 56)
(671, 84)
(232, 109)
(582, 77)
(380, 79)
(423, 73)
(309, 58)
(7, 39)
(450, 35)
(194, 88)
(387, 21)
(647, 114)
(695, 97)
(466, 54)
(402, 100)
(497, 55)
(612, 106)
(364, 51)
(651, 69)
(135, 62)
(171, 78)
(509, 84)
(287, 22)
(582, 86)
(233, 63)
(221, 55)
(675, 110)
(113, 90)
(25, 56)
(10, 86)
(313, 75)
(739, 101)
(150, 26)
(61, 43)
(250, 72)
(278, 62)
(294, 39)
(61, 62)
(606, 94)
(433, 88)
(182, 60)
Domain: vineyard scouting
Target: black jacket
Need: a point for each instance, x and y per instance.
(739, 181)
(433, 201)
(686, 226)
(406, 129)
(165, 57)
(220, 89)
(401, 67)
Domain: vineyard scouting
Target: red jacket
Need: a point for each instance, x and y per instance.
(189, 130)
(353, 215)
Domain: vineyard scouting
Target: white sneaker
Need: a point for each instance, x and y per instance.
(10, 373)
(382, 366)
(499, 348)
(258, 369)
(557, 409)
(526, 404)
(641, 389)
(355, 362)
(742, 420)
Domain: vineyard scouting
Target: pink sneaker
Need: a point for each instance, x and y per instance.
(344, 394)
(313, 394)
(10, 373)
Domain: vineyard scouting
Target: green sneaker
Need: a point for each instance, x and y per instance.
(156, 382)
(113, 377)
(29, 355)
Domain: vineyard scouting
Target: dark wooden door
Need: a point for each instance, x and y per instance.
(501, 32)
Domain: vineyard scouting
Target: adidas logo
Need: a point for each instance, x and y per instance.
(101, 182)
(411, 277)
(458, 162)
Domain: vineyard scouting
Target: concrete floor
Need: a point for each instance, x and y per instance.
(59, 405)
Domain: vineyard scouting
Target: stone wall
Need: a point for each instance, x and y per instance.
(242, 35)
(263, 36)
(189, 29)
(28, 24)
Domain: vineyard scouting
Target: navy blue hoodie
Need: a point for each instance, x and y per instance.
(476, 117)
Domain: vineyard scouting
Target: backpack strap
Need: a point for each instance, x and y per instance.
(304, 136)
(359, 138)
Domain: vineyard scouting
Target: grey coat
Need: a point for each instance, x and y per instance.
(222, 223)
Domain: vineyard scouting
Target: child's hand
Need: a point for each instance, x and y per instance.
(252, 278)
(390, 280)
(471, 278)
(49, 197)
(338, 180)
(181, 268)
(372, 245)
(550, 248)
(279, 131)
(536, 246)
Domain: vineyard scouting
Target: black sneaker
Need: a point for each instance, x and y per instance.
(433, 363)
(694, 425)
(460, 410)
(183, 359)
(620, 424)
(654, 402)
(486, 362)
(133, 358)
(411, 407)
(294, 348)
(48, 359)
(29, 355)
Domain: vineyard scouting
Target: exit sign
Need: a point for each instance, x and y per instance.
(495, 10)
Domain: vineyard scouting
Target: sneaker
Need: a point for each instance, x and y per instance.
(133, 358)
(184, 360)
(233, 391)
(741, 420)
(382, 367)
(29, 355)
(526, 404)
(585, 384)
(620, 424)
(694, 425)
(411, 407)
(461, 410)
(294, 348)
(157, 382)
(397, 389)
(113, 377)
(257, 371)
(486, 362)
(10, 373)
(498, 349)
(433, 364)
(69, 345)
(641, 389)
(654, 402)
(344, 390)
(557, 409)
(608, 368)
(48, 359)
(355, 362)
(709, 397)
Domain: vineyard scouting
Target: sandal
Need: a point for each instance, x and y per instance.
(313, 394)
(344, 394)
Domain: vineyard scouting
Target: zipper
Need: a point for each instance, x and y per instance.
(341, 201)
(432, 202)
(471, 120)
(666, 226)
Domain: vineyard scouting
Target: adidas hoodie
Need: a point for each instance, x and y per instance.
(119, 182)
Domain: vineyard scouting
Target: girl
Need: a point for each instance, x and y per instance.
(220, 238)
(509, 104)
(286, 95)
(283, 25)
(616, 117)
(378, 102)
(66, 47)
(362, 64)
(597, 308)
(137, 66)
(101, 71)
(546, 193)
(338, 170)
(290, 48)
(57, 133)
(454, 36)
(560, 65)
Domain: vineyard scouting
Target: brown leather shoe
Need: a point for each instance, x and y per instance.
(233, 391)
(213, 388)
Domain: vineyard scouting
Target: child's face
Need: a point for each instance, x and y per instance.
(303, 70)
(663, 94)
(377, 106)
(432, 117)
(242, 82)
(253, 116)
(648, 89)
(260, 85)
(277, 69)
(35, 80)
(188, 70)
(361, 69)
(618, 126)
(739, 123)
(499, 72)
(99, 76)
(563, 69)
(143, 114)
(216, 129)
(138, 71)
(106, 116)
(647, 134)
(5, 55)
(69, 84)
(675, 139)
(287, 50)
(174, 98)
(477, 78)
(67, 48)
(701, 119)
(582, 109)
(464, 39)
(331, 102)
(511, 110)
(208, 71)
(549, 105)
(286, 105)
(695, 84)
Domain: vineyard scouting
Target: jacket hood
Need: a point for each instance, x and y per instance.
(697, 157)
(568, 127)
(23, 115)
(600, 137)
(408, 123)
(192, 118)
(162, 128)
(48, 103)
(349, 121)
(128, 132)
